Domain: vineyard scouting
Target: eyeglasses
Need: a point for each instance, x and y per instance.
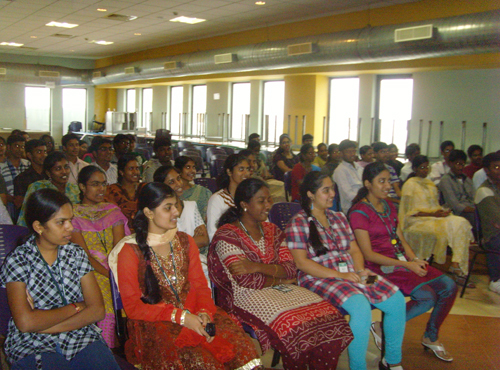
(106, 149)
(96, 184)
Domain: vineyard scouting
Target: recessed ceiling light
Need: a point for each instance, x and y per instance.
(260, 3)
(61, 24)
(187, 20)
(14, 44)
(137, 34)
(33, 37)
(101, 42)
(102, 10)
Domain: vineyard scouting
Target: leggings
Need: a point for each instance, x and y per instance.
(439, 294)
(360, 311)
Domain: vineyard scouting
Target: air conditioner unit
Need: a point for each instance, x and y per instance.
(171, 65)
(414, 33)
(131, 70)
(3, 71)
(299, 49)
(52, 74)
(225, 58)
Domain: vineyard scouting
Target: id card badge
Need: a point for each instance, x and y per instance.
(343, 267)
(400, 256)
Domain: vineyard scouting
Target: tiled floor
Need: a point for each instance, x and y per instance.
(471, 333)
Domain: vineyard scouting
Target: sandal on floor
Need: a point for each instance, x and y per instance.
(460, 280)
(439, 351)
(376, 337)
(383, 365)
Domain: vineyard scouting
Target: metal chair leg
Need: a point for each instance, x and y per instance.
(469, 273)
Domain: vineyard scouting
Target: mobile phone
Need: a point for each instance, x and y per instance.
(371, 279)
(210, 329)
(282, 288)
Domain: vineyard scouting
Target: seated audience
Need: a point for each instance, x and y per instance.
(393, 159)
(330, 264)
(49, 143)
(430, 229)
(131, 150)
(36, 152)
(102, 151)
(163, 151)
(333, 161)
(52, 320)
(348, 174)
(284, 159)
(255, 139)
(457, 189)
(260, 169)
(236, 169)
(440, 168)
(386, 252)
(98, 227)
(192, 191)
(381, 152)
(3, 150)
(487, 201)
(307, 139)
(71, 147)
(121, 145)
(322, 156)
(366, 154)
(83, 149)
(125, 192)
(475, 153)
(166, 297)
(56, 168)
(302, 168)
(411, 152)
(254, 273)
(15, 163)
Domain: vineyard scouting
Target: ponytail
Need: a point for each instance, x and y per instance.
(362, 193)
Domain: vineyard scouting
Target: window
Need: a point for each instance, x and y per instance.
(344, 98)
(274, 106)
(198, 110)
(37, 104)
(176, 104)
(147, 108)
(130, 100)
(74, 104)
(394, 109)
(240, 108)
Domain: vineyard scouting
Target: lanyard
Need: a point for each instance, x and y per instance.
(392, 234)
(102, 239)
(165, 275)
(62, 293)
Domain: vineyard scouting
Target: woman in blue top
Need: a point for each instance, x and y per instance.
(53, 295)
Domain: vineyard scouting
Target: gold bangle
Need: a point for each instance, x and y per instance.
(276, 271)
(183, 317)
(172, 316)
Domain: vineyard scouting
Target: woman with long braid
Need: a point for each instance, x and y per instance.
(166, 296)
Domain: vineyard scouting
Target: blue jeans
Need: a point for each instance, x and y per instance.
(96, 356)
(360, 310)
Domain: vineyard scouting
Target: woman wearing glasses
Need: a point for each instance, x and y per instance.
(98, 227)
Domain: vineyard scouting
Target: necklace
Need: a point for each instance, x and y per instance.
(250, 236)
(174, 278)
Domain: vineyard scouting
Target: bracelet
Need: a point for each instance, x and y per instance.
(276, 271)
(183, 317)
(77, 309)
(172, 316)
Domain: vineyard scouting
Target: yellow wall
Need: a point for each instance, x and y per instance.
(105, 99)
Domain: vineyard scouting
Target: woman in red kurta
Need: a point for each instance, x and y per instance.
(167, 299)
(302, 168)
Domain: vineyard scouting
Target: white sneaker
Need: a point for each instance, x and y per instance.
(495, 286)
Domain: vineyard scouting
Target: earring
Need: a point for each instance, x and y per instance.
(312, 206)
(244, 209)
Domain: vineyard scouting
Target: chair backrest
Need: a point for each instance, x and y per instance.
(228, 150)
(9, 236)
(191, 152)
(120, 319)
(209, 183)
(216, 167)
(184, 145)
(203, 151)
(218, 156)
(214, 150)
(287, 179)
(281, 213)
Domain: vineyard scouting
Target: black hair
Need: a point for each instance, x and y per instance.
(66, 138)
(312, 182)
(231, 161)
(245, 191)
(418, 161)
(150, 196)
(252, 145)
(282, 138)
(253, 136)
(46, 136)
(364, 149)
(320, 145)
(412, 149)
(378, 146)
(489, 158)
(369, 173)
(303, 151)
(160, 142)
(16, 131)
(15, 139)
(246, 153)
(182, 161)
(331, 149)
(101, 142)
(307, 137)
(161, 172)
(474, 148)
(347, 144)
(392, 146)
(51, 160)
(122, 163)
(446, 143)
(457, 154)
(86, 173)
(42, 205)
(32, 144)
(131, 138)
(120, 138)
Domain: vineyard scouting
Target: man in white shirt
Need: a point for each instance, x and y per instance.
(71, 147)
(103, 152)
(348, 174)
(411, 152)
(438, 169)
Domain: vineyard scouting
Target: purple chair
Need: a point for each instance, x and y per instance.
(209, 183)
(282, 212)
(214, 150)
(287, 179)
(228, 150)
(216, 167)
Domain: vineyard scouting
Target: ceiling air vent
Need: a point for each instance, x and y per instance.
(3, 71)
(48, 74)
(171, 65)
(299, 49)
(225, 58)
(120, 17)
(413, 33)
(62, 36)
(131, 70)
(96, 74)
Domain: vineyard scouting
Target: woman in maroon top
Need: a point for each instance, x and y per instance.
(386, 252)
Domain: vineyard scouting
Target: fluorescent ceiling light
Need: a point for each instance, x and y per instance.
(101, 42)
(61, 24)
(102, 10)
(260, 3)
(14, 44)
(187, 20)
